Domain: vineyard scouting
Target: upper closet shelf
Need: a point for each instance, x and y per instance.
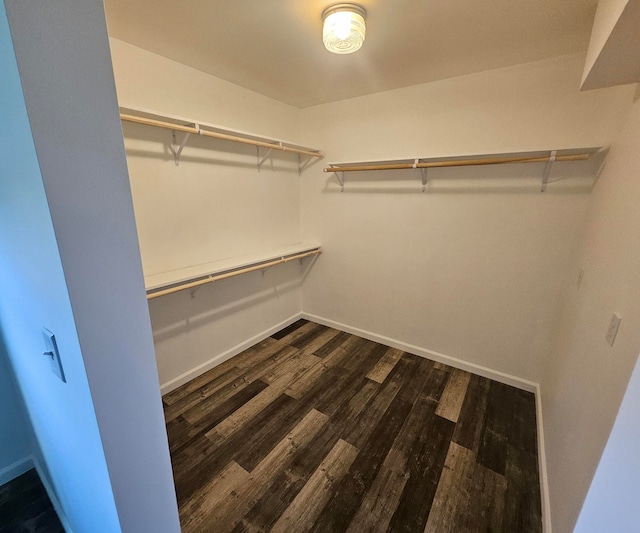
(424, 163)
(189, 127)
(194, 276)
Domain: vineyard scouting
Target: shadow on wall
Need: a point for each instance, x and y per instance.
(575, 177)
(182, 311)
(153, 143)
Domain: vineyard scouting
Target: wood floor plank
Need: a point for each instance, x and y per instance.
(334, 343)
(305, 508)
(194, 465)
(196, 509)
(316, 429)
(281, 420)
(299, 364)
(251, 408)
(380, 372)
(425, 467)
(197, 383)
(453, 395)
(412, 435)
(492, 452)
(523, 505)
(25, 506)
(178, 407)
(359, 351)
(180, 436)
(289, 482)
(339, 511)
(472, 414)
(310, 337)
(245, 359)
(485, 510)
(380, 502)
(318, 341)
(376, 408)
(231, 509)
(453, 492)
(279, 357)
(289, 329)
(305, 331)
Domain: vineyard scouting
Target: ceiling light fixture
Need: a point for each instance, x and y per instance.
(343, 28)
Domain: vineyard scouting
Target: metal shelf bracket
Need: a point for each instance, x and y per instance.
(423, 172)
(301, 165)
(176, 149)
(547, 170)
(340, 178)
(262, 160)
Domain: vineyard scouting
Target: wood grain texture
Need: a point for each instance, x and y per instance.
(318, 430)
(25, 506)
(453, 395)
(307, 505)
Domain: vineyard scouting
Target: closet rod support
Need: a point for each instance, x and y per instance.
(266, 156)
(547, 170)
(177, 150)
(340, 177)
(301, 165)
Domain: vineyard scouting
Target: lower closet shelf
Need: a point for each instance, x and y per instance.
(190, 277)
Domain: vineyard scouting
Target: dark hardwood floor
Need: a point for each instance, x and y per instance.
(317, 430)
(26, 508)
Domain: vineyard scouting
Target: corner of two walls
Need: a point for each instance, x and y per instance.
(474, 268)
(585, 379)
(215, 205)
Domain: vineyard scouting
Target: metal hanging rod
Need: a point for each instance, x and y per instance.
(197, 129)
(456, 163)
(231, 272)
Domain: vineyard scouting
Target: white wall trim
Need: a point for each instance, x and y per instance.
(542, 465)
(416, 350)
(228, 354)
(15, 469)
(496, 375)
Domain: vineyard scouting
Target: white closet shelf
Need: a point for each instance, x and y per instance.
(194, 276)
(189, 126)
(424, 163)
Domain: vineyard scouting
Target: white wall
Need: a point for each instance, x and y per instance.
(474, 267)
(607, 16)
(73, 265)
(585, 379)
(612, 501)
(214, 206)
(34, 295)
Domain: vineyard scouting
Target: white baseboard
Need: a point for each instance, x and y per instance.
(416, 350)
(542, 466)
(495, 375)
(221, 358)
(9, 473)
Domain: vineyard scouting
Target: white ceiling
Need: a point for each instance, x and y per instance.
(274, 47)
